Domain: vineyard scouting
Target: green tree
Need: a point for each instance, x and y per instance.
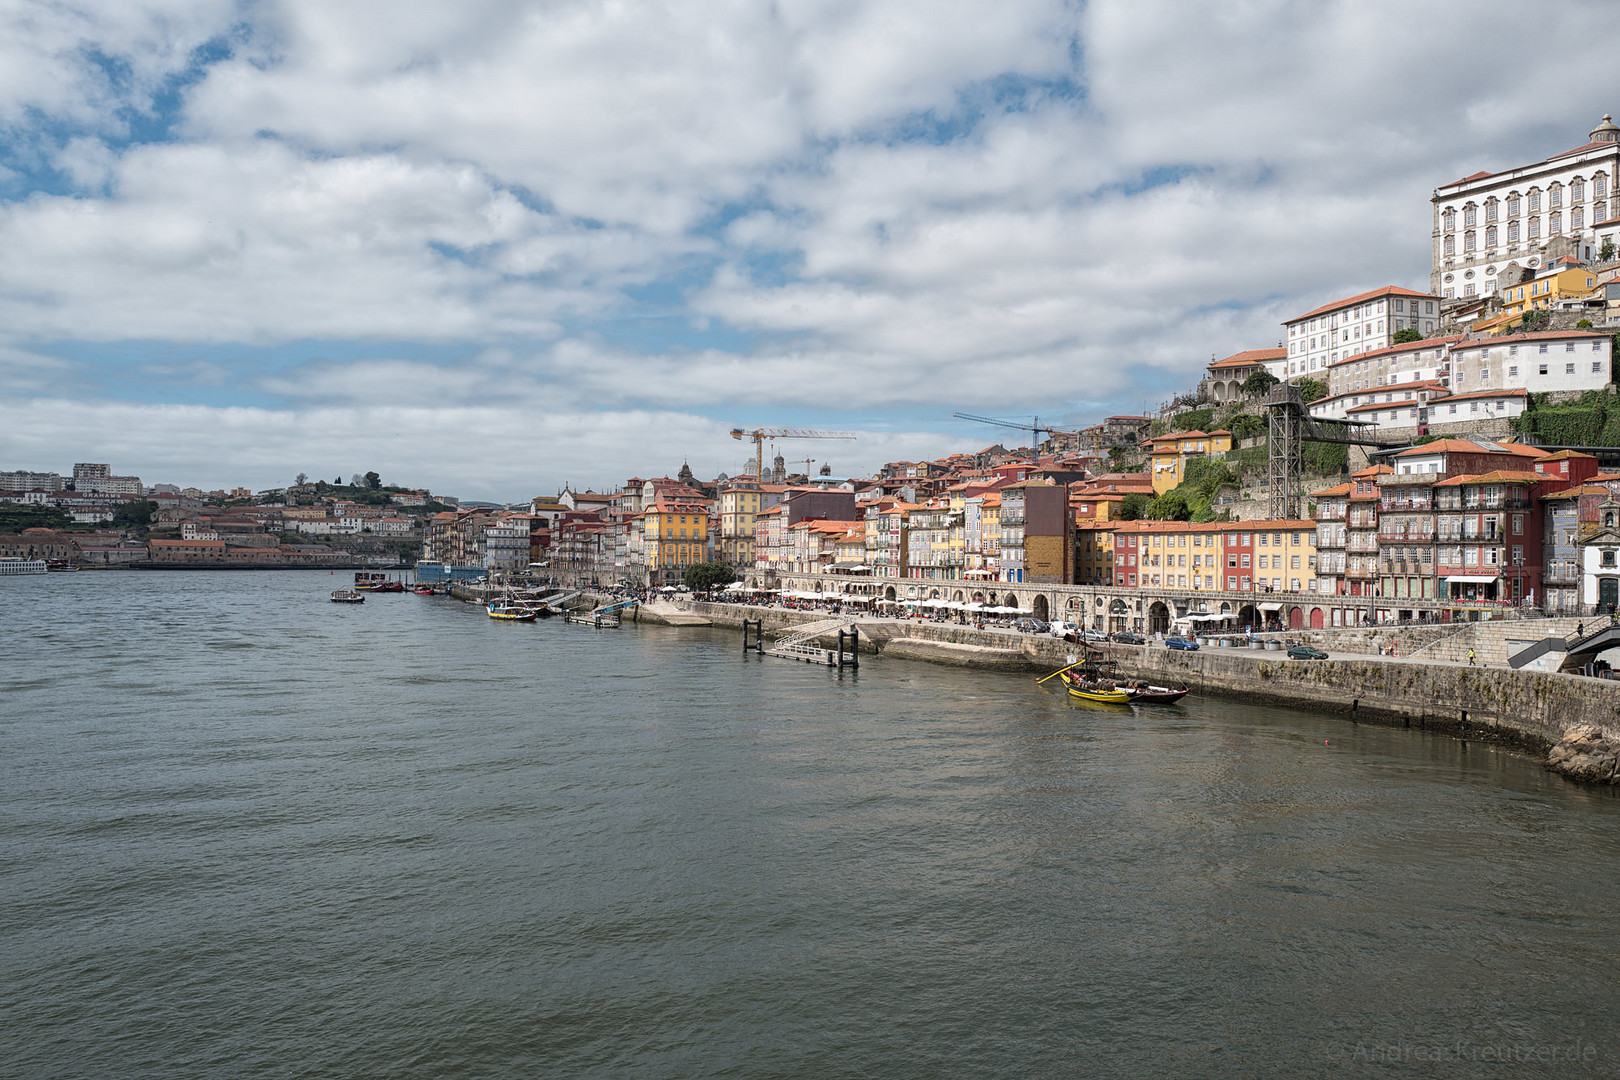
(1171, 506)
(1133, 507)
(1584, 324)
(1606, 252)
(1259, 383)
(1311, 389)
(373, 481)
(1406, 335)
(301, 479)
(701, 577)
(1193, 420)
(1246, 426)
(134, 514)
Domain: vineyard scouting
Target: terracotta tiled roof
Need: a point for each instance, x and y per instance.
(1390, 350)
(1249, 357)
(1387, 290)
(1500, 476)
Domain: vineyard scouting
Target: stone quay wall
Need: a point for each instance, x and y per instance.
(1530, 709)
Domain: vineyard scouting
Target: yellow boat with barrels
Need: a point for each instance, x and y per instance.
(1106, 693)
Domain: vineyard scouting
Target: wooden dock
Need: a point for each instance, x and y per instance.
(799, 645)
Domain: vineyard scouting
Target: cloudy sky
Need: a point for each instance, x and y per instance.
(497, 246)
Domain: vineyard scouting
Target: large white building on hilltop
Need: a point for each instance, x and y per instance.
(1357, 324)
(1529, 215)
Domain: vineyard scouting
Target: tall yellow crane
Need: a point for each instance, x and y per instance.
(759, 435)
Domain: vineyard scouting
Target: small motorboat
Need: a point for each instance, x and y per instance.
(390, 586)
(347, 596)
(423, 590)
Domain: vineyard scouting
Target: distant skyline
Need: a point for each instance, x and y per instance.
(494, 248)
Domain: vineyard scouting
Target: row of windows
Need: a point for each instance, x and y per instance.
(1555, 227)
(1555, 191)
(1234, 582)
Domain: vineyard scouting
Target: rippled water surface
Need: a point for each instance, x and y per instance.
(246, 832)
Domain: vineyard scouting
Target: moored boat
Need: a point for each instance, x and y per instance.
(1104, 692)
(1146, 693)
(511, 610)
(10, 566)
(347, 596)
(1139, 691)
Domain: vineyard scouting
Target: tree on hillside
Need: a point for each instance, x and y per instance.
(1406, 335)
(134, 514)
(1171, 506)
(301, 479)
(1258, 384)
(1133, 507)
(373, 481)
(1246, 426)
(1311, 389)
(701, 577)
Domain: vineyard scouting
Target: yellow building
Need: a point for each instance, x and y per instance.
(675, 535)
(739, 505)
(1094, 553)
(1170, 453)
(1545, 291)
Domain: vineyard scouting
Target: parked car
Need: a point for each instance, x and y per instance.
(1030, 626)
(1184, 644)
(1068, 631)
(1306, 652)
(1096, 637)
(1127, 637)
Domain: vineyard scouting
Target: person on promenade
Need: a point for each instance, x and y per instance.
(1580, 629)
(1470, 657)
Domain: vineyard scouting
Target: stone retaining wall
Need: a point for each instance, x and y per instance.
(1530, 709)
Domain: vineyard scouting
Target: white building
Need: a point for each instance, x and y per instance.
(1496, 370)
(1357, 324)
(1527, 215)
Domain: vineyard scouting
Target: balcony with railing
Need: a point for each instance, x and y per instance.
(1561, 572)
(1406, 532)
(1366, 543)
(1393, 501)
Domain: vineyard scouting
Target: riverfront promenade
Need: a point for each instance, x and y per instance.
(1534, 710)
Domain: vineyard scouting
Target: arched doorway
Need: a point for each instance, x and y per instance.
(1009, 601)
(1042, 610)
(991, 600)
(1247, 616)
(933, 594)
(1158, 618)
(1296, 618)
(1316, 618)
(888, 593)
(958, 596)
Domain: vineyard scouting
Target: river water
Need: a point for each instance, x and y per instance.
(251, 833)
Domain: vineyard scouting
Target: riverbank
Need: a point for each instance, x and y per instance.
(1572, 722)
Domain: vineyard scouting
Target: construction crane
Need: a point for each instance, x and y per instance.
(759, 435)
(1037, 427)
(805, 461)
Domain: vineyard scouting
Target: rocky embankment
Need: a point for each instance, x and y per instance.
(1586, 753)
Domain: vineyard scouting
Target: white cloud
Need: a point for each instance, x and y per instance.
(1114, 191)
(491, 451)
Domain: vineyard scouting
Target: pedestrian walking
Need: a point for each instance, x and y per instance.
(1580, 629)
(1470, 657)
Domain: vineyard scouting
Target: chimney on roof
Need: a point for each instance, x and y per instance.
(1606, 131)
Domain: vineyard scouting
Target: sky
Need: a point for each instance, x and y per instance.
(497, 247)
